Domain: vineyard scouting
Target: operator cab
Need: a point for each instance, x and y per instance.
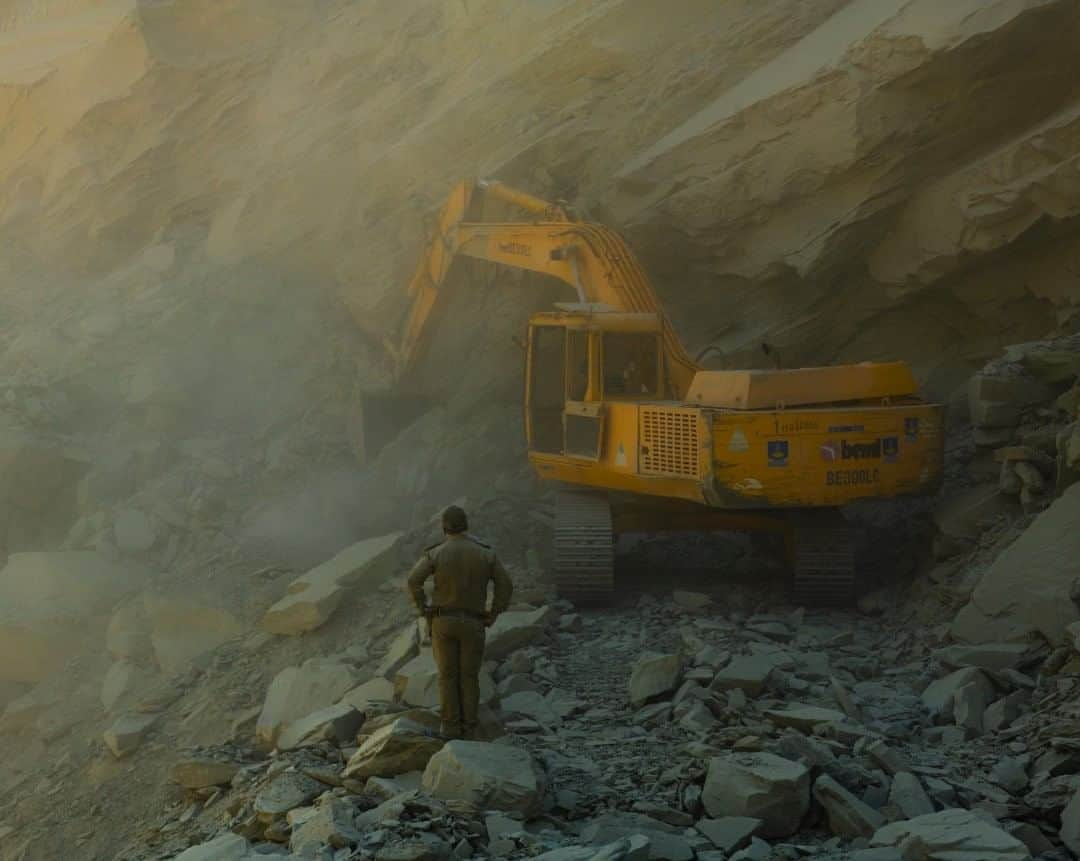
(580, 358)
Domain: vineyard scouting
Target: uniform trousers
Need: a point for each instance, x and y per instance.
(457, 644)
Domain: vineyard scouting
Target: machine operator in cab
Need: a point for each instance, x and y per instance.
(462, 567)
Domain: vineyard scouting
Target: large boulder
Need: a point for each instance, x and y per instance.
(759, 785)
(365, 564)
(401, 746)
(182, 630)
(940, 696)
(653, 675)
(489, 776)
(51, 603)
(313, 597)
(403, 648)
(296, 692)
(514, 630)
(959, 835)
(328, 823)
(305, 611)
(417, 683)
(376, 690)
(337, 723)
(1026, 591)
(127, 733)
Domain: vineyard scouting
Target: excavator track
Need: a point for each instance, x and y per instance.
(823, 559)
(584, 547)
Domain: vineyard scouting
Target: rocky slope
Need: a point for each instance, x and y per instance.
(208, 211)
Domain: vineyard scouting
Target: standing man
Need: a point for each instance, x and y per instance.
(462, 567)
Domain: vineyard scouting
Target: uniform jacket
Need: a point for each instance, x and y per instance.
(462, 567)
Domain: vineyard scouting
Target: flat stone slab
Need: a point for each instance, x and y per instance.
(747, 672)
(729, 833)
(803, 717)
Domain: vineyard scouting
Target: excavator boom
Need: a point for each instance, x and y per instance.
(594, 260)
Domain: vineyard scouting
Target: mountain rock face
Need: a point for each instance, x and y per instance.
(846, 180)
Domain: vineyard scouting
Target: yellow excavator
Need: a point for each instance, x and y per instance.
(642, 438)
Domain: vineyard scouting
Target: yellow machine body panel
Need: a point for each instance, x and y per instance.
(826, 456)
(769, 389)
(590, 424)
(756, 459)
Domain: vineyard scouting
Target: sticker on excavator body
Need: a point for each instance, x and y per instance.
(739, 442)
(779, 451)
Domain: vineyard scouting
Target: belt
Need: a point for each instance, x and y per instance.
(452, 613)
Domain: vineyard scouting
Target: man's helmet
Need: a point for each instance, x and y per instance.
(454, 520)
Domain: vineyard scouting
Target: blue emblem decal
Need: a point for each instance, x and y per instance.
(778, 452)
(890, 449)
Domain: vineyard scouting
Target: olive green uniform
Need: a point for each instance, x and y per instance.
(462, 567)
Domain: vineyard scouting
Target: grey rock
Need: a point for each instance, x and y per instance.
(653, 675)
(847, 815)
(758, 850)
(908, 796)
(1010, 774)
(665, 841)
(532, 705)
(984, 656)
(804, 717)
(489, 776)
(404, 647)
(330, 823)
(960, 834)
(224, 847)
(285, 791)
(1036, 842)
(940, 696)
(1070, 824)
(1001, 713)
(890, 759)
(749, 673)
(759, 785)
(401, 746)
(515, 630)
(969, 705)
(127, 733)
(729, 833)
(337, 723)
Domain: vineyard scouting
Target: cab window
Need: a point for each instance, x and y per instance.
(631, 365)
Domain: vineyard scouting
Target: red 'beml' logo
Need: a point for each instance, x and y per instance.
(829, 451)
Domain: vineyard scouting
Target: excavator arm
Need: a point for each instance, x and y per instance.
(590, 258)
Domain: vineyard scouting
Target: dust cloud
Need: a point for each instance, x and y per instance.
(209, 211)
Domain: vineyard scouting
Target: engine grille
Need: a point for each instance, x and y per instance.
(669, 442)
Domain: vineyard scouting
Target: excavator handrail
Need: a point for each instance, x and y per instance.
(593, 259)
